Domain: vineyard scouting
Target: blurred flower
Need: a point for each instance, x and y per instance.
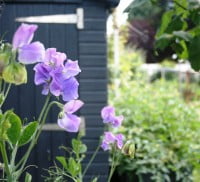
(68, 120)
(28, 53)
(110, 139)
(108, 116)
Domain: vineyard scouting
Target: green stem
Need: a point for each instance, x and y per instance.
(91, 160)
(44, 108)
(114, 165)
(5, 158)
(34, 141)
(13, 156)
(25, 157)
(6, 91)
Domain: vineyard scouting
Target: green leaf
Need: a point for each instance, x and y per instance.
(28, 177)
(62, 160)
(194, 53)
(28, 132)
(183, 35)
(164, 41)
(166, 19)
(13, 133)
(76, 145)
(83, 148)
(73, 167)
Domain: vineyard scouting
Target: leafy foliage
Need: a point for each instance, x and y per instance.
(164, 127)
(179, 30)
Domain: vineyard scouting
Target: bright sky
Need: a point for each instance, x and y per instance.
(121, 16)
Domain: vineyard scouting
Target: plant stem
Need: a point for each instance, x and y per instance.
(5, 158)
(114, 164)
(6, 93)
(14, 152)
(91, 160)
(35, 136)
(34, 141)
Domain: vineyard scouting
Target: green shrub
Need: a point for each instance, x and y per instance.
(166, 130)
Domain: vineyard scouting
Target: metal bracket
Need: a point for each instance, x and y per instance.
(77, 18)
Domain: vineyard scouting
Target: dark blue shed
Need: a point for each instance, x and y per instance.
(83, 38)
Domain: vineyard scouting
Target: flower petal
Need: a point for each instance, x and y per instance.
(117, 121)
(71, 68)
(72, 106)
(45, 90)
(32, 53)
(41, 74)
(105, 146)
(107, 114)
(70, 89)
(55, 88)
(54, 58)
(23, 35)
(119, 139)
(70, 122)
(109, 137)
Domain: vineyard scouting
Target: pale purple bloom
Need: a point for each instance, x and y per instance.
(117, 121)
(72, 106)
(41, 74)
(69, 121)
(119, 139)
(71, 68)
(56, 78)
(110, 139)
(108, 116)
(23, 35)
(31, 53)
(54, 58)
(107, 113)
(28, 53)
(70, 89)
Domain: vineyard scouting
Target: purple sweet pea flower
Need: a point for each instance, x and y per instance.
(24, 35)
(107, 113)
(69, 121)
(110, 139)
(70, 89)
(72, 106)
(119, 139)
(108, 116)
(71, 68)
(54, 58)
(28, 53)
(32, 53)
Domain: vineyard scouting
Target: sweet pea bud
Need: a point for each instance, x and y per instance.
(129, 149)
(15, 73)
(4, 60)
(5, 125)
